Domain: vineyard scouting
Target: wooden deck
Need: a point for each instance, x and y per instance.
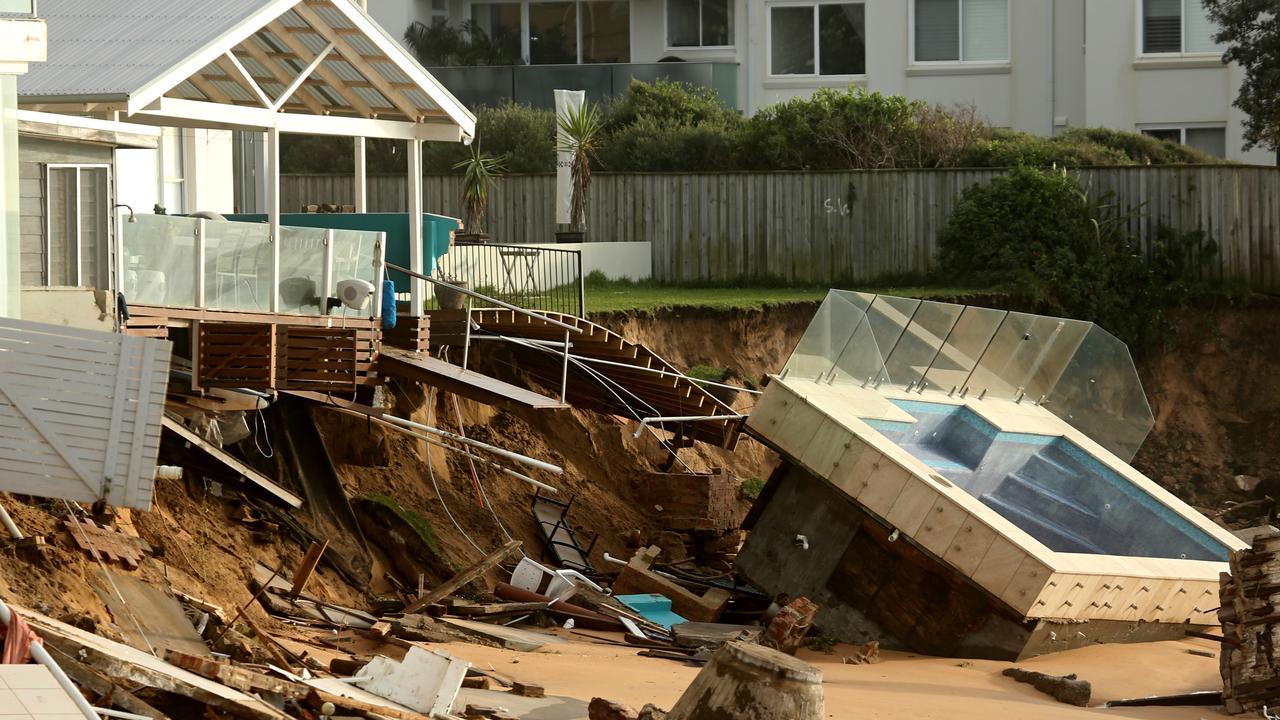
(476, 386)
(631, 392)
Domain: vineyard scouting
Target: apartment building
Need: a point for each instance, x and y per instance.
(1034, 65)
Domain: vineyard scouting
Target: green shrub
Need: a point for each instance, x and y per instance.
(1006, 148)
(522, 136)
(1136, 147)
(1036, 234)
(670, 104)
(708, 372)
(649, 146)
(750, 489)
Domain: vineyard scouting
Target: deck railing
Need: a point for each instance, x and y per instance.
(187, 262)
(528, 276)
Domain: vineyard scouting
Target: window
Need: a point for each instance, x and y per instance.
(77, 213)
(1209, 140)
(172, 185)
(557, 33)
(817, 39)
(1177, 26)
(970, 31)
(699, 23)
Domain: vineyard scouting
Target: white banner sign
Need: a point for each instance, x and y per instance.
(567, 101)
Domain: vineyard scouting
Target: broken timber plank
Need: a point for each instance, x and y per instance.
(110, 692)
(223, 457)
(120, 662)
(306, 567)
(464, 577)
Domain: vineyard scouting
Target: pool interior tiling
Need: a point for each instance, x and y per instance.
(1046, 485)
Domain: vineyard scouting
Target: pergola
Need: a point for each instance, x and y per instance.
(321, 67)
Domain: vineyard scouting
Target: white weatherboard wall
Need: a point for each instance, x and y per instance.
(80, 413)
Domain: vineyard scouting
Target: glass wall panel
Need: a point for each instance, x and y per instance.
(355, 255)
(827, 335)
(159, 261)
(1012, 345)
(919, 345)
(237, 266)
(1057, 340)
(302, 270)
(937, 31)
(964, 346)
(1100, 394)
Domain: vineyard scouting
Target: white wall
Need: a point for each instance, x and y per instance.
(211, 176)
(137, 182)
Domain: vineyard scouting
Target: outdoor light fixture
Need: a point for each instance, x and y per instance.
(122, 205)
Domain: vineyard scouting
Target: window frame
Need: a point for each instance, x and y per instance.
(1008, 42)
(1182, 129)
(668, 48)
(1140, 43)
(817, 46)
(524, 27)
(79, 229)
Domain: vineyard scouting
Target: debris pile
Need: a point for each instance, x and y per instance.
(1250, 617)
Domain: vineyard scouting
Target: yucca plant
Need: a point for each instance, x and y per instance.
(480, 172)
(582, 131)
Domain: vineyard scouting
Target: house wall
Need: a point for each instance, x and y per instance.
(1073, 63)
(33, 156)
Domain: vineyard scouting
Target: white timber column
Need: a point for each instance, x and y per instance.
(361, 188)
(273, 211)
(417, 287)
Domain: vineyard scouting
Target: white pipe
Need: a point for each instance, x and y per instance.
(9, 525)
(168, 472)
(432, 441)
(42, 656)
(517, 457)
(120, 714)
(684, 418)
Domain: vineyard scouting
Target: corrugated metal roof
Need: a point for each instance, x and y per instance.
(113, 48)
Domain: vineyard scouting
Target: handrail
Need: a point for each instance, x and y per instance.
(486, 298)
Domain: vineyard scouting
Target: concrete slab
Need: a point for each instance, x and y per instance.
(543, 708)
(508, 637)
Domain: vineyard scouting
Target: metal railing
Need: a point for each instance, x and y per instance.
(526, 276)
(492, 302)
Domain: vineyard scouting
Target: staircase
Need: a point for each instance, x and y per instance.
(607, 373)
(1048, 500)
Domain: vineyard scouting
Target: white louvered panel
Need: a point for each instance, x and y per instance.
(80, 412)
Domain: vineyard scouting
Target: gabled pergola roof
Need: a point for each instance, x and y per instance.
(306, 66)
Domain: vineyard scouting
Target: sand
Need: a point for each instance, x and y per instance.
(901, 686)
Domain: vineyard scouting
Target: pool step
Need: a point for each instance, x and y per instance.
(1029, 492)
(1053, 535)
(1051, 473)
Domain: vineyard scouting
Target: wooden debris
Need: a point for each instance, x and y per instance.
(110, 692)
(487, 610)
(307, 567)
(127, 666)
(1063, 688)
(528, 690)
(1249, 662)
(483, 712)
(864, 654)
(637, 579)
(712, 635)
(110, 544)
(476, 683)
(464, 577)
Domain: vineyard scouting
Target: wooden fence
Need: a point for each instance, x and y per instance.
(823, 228)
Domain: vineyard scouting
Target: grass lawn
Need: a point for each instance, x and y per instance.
(604, 296)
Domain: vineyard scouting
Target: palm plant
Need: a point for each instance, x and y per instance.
(581, 133)
(480, 172)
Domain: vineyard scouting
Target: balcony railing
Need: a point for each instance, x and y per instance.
(529, 276)
(533, 84)
(185, 262)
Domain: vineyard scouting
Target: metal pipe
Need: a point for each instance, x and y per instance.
(522, 341)
(42, 656)
(684, 418)
(9, 525)
(517, 457)
(165, 472)
(654, 371)
(120, 714)
(564, 369)
(432, 441)
(486, 298)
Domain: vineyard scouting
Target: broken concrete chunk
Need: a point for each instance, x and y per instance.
(1063, 688)
(528, 690)
(601, 709)
(751, 682)
(787, 629)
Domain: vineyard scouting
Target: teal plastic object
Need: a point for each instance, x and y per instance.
(654, 608)
(435, 234)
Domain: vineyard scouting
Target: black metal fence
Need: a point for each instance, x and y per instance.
(528, 276)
